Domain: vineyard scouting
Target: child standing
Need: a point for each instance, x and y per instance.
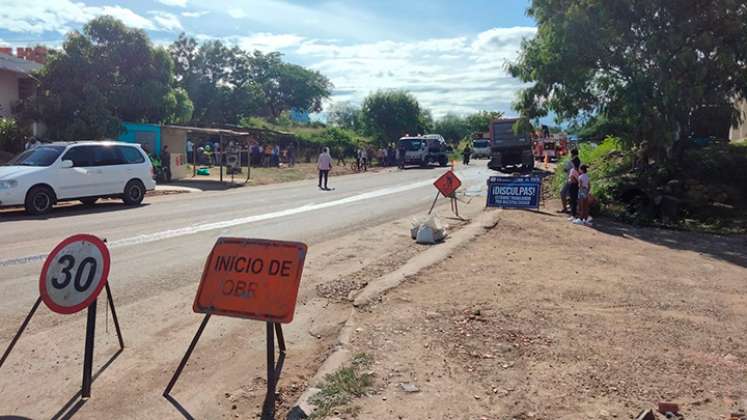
(584, 188)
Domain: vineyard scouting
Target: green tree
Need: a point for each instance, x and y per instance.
(107, 74)
(425, 121)
(287, 86)
(345, 115)
(453, 127)
(217, 79)
(389, 114)
(479, 122)
(644, 66)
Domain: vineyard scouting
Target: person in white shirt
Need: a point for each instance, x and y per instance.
(362, 159)
(190, 149)
(325, 165)
(584, 189)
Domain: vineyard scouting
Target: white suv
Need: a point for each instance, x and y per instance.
(86, 171)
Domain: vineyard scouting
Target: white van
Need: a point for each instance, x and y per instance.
(86, 171)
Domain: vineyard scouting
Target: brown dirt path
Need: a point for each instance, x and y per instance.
(542, 319)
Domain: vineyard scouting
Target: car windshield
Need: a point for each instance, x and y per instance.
(411, 144)
(38, 156)
(480, 143)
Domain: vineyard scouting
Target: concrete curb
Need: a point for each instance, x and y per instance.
(342, 354)
(427, 258)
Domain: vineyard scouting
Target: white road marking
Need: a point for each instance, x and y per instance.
(204, 227)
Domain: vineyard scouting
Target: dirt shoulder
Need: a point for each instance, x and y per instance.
(542, 319)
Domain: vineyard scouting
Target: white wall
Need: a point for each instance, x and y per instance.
(8, 91)
(739, 133)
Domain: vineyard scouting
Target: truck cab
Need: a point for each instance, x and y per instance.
(509, 150)
(423, 150)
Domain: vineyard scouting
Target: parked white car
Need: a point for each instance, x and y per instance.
(86, 171)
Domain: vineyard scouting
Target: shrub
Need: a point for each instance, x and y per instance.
(11, 135)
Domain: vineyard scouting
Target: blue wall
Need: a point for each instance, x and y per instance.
(136, 133)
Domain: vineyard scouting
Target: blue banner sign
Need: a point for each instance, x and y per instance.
(521, 192)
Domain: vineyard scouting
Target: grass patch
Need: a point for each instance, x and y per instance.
(341, 387)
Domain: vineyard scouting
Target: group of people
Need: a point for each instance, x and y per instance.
(271, 155)
(576, 193)
(268, 155)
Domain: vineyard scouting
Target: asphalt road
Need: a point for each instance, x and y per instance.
(163, 243)
(158, 251)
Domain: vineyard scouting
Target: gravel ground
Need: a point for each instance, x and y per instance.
(542, 319)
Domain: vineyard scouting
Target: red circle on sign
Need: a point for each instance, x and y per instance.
(98, 243)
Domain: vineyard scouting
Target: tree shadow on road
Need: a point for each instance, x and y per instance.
(732, 249)
(67, 210)
(75, 403)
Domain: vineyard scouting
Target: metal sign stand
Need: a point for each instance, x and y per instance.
(434, 202)
(90, 335)
(273, 368)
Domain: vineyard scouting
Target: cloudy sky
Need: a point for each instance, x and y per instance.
(450, 54)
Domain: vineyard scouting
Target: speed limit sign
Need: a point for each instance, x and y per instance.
(74, 273)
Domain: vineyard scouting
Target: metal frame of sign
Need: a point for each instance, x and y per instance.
(452, 196)
(91, 318)
(274, 328)
(273, 368)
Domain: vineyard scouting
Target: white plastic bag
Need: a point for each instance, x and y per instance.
(428, 230)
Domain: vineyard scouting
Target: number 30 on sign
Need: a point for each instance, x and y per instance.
(74, 273)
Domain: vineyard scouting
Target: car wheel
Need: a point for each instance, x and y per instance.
(134, 193)
(39, 200)
(443, 161)
(89, 201)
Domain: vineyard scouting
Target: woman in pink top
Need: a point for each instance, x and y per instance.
(325, 165)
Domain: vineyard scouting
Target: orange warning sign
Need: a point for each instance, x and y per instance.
(251, 278)
(448, 183)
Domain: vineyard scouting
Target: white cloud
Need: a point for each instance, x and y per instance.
(167, 21)
(62, 16)
(237, 13)
(329, 19)
(267, 42)
(177, 3)
(194, 14)
(448, 75)
(127, 16)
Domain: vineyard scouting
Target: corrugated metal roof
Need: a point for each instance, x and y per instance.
(17, 65)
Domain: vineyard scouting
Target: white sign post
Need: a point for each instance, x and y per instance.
(71, 279)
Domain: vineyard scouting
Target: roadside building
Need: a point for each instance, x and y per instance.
(740, 132)
(16, 81)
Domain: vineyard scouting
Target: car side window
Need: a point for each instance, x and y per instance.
(107, 156)
(81, 156)
(131, 155)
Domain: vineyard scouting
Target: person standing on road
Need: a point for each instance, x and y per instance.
(362, 159)
(567, 170)
(275, 156)
(325, 165)
(190, 151)
(573, 176)
(291, 154)
(466, 153)
(584, 191)
(166, 163)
